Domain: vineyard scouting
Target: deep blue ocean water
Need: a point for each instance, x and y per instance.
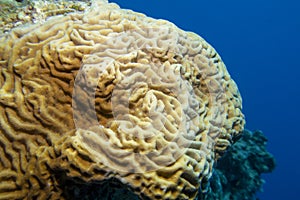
(259, 43)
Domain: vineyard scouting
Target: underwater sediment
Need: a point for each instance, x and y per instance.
(96, 98)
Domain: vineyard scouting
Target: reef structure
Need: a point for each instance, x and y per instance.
(111, 95)
(237, 174)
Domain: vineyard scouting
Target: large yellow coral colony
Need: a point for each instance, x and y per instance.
(111, 93)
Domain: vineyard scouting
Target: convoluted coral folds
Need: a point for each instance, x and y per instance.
(112, 96)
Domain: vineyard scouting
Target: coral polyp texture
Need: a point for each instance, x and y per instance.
(111, 95)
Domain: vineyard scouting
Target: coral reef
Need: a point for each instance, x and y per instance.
(112, 96)
(16, 13)
(237, 175)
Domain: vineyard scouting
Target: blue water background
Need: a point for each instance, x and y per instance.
(259, 42)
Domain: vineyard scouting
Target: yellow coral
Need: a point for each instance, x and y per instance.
(112, 93)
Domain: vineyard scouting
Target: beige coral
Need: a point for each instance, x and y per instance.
(112, 93)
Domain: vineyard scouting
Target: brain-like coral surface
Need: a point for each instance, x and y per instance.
(112, 94)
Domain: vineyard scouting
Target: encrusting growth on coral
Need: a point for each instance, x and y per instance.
(15, 13)
(110, 94)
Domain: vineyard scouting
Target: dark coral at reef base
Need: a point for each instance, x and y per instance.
(237, 175)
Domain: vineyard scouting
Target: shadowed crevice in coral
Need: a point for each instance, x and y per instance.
(237, 175)
(75, 189)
